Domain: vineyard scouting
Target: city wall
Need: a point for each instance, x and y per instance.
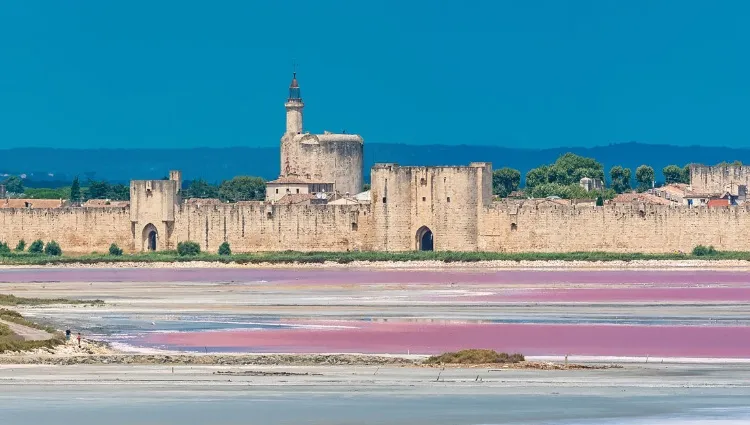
(614, 228)
(255, 226)
(501, 227)
(77, 230)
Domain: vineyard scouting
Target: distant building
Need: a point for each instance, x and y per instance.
(590, 184)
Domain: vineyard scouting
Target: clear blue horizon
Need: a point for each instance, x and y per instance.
(534, 74)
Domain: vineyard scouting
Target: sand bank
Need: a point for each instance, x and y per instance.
(424, 265)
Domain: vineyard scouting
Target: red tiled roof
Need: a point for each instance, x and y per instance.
(627, 198)
(718, 203)
(32, 203)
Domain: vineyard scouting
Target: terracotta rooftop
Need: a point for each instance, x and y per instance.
(290, 180)
(627, 198)
(32, 203)
(718, 203)
(105, 203)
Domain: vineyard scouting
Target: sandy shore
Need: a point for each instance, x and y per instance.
(424, 265)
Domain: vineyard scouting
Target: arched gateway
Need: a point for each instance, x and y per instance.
(425, 241)
(150, 238)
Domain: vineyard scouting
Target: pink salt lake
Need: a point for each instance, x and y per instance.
(494, 290)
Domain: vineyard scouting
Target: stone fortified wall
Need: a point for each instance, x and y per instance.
(550, 227)
(704, 179)
(501, 226)
(77, 230)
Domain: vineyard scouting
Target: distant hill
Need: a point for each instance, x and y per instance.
(46, 166)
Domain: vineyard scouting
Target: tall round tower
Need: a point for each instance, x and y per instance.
(294, 107)
(323, 160)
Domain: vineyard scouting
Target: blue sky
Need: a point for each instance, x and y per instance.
(96, 74)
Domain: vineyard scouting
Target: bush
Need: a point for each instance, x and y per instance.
(700, 250)
(4, 248)
(21, 245)
(475, 356)
(53, 248)
(36, 247)
(188, 248)
(115, 250)
(224, 249)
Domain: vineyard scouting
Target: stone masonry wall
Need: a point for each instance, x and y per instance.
(447, 200)
(507, 227)
(705, 179)
(253, 227)
(77, 230)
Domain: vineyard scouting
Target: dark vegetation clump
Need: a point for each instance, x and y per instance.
(53, 248)
(224, 249)
(188, 248)
(702, 251)
(475, 356)
(115, 250)
(21, 246)
(36, 247)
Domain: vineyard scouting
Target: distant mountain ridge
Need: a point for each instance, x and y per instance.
(216, 164)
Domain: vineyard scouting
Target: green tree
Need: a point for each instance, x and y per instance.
(224, 249)
(21, 245)
(505, 181)
(13, 184)
(673, 174)
(75, 190)
(98, 190)
(537, 176)
(243, 188)
(568, 169)
(620, 178)
(644, 176)
(686, 174)
(201, 189)
(599, 201)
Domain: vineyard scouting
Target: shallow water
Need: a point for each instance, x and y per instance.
(194, 407)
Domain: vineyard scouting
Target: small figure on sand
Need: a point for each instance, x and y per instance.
(79, 340)
(67, 334)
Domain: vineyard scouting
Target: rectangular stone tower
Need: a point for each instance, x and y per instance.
(424, 208)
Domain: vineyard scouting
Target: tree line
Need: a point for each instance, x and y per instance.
(562, 178)
(240, 188)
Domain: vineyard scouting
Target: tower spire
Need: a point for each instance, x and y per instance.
(294, 92)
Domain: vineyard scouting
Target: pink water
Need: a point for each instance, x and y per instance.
(594, 340)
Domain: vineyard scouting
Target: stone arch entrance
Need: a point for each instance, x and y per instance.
(150, 241)
(425, 240)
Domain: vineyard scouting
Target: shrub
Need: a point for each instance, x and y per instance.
(21, 245)
(4, 248)
(475, 356)
(188, 248)
(36, 247)
(115, 250)
(52, 248)
(224, 249)
(700, 250)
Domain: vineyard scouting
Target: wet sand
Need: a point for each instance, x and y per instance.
(166, 395)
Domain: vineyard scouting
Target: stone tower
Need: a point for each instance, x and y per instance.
(321, 159)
